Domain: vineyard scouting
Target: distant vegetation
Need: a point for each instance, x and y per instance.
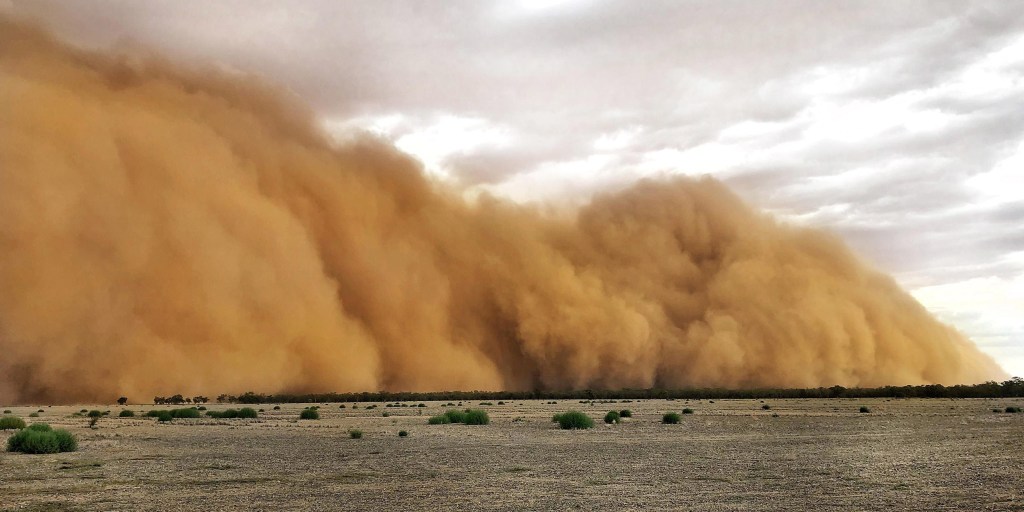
(612, 417)
(309, 414)
(671, 418)
(355, 434)
(1012, 388)
(40, 438)
(126, 414)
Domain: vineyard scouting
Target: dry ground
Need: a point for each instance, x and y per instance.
(729, 455)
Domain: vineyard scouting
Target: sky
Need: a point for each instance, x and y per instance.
(897, 125)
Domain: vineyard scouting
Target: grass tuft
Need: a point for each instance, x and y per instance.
(671, 418)
(612, 417)
(309, 414)
(40, 438)
(11, 423)
(574, 420)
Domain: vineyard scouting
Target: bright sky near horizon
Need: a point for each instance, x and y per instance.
(899, 126)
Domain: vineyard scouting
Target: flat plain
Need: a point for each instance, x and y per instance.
(906, 454)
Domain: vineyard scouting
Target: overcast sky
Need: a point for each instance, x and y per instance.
(899, 125)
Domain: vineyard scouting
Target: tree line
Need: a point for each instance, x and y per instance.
(1010, 388)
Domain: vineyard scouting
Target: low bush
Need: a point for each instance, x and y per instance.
(7, 411)
(247, 412)
(385, 414)
(184, 413)
(671, 418)
(574, 420)
(309, 414)
(611, 417)
(34, 415)
(126, 414)
(402, 433)
(456, 416)
(766, 407)
(95, 414)
(342, 406)
(476, 417)
(201, 408)
(687, 411)
(421, 405)
(40, 438)
(163, 416)
(355, 434)
(1012, 410)
(440, 419)
(11, 423)
(277, 407)
(625, 413)
(864, 409)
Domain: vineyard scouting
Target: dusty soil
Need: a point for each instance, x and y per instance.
(729, 455)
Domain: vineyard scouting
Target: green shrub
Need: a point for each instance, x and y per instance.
(402, 433)
(83, 411)
(555, 418)
(355, 434)
(1012, 410)
(671, 418)
(7, 411)
(184, 413)
(687, 411)
(309, 414)
(225, 414)
(574, 420)
(95, 414)
(864, 409)
(456, 416)
(247, 412)
(385, 414)
(11, 423)
(201, 408)
(625, 413)
(421, 405)
(126, 414)
(163, 416)
(342, 406)
(766, 407)
(441, 419)
(611, 417)
(34, 415)
(997, 410)
(42, 439)
(277, 407)
(476, 417)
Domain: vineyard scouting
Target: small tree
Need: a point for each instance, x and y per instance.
(123, 400)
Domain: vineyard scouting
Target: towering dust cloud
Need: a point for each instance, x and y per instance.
(169, 231)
